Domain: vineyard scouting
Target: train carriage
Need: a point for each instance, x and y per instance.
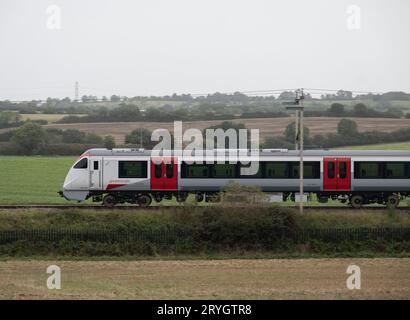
(137, 176)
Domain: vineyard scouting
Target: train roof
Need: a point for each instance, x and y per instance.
(262, 152)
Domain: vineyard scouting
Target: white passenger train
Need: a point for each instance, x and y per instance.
(132, 176)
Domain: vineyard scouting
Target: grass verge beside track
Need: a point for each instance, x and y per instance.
(204, 231)
(166, 217)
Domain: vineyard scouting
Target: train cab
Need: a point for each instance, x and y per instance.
(77, 182)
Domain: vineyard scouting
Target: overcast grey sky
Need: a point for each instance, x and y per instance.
(156, 47)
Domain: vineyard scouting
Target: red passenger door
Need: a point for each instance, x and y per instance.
(336, 174)
(164, 173)
(329, 174)
(343, 174)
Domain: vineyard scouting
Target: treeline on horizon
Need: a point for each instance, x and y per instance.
(131, 113)
(128, 112)
(231, 97)
(67, 105)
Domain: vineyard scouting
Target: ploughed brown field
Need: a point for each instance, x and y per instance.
(266, 126)
(207, 279)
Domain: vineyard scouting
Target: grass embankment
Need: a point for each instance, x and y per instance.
(27, 219)
(202, 231)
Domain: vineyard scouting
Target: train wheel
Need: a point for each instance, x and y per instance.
(181, 197)
(392, 201)
(144, 200)
(199, 197)
(356, 201)
(109, 201)
(158, 197)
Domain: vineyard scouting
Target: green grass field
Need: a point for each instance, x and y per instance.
(32, 180)
(37, 179)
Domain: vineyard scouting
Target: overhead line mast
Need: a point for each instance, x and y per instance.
(297, 105)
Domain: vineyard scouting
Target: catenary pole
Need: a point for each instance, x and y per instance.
(297, 106)
(296, 130)
(301, 155)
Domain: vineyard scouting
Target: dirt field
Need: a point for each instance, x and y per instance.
(207, 279)
(266, 126)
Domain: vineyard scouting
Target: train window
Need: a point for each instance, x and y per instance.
(170, 170)
(276, 170)
(82, 164)
(223, 170)
(95, 165)
(194, 170)
(294, 170)
(132, 169)
(158, 170)
(311, 170)
(342, 170)
(257, 175)
(396, 170)
(368, 170)
(330, 169)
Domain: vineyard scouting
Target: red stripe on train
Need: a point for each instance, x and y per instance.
(114, 185)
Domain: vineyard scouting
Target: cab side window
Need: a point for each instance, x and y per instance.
(82, 164)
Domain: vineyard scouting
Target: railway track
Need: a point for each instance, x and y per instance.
(154, 208)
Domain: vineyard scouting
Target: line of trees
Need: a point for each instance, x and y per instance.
(337, 109)
(217, 97)
(32, 138)
(213, 109)
(347, 135)
(132, 113)
(12, 119)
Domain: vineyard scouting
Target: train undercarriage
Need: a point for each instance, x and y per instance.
(144, 199)
(358, 199)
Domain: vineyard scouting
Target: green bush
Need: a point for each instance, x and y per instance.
(229, 228)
